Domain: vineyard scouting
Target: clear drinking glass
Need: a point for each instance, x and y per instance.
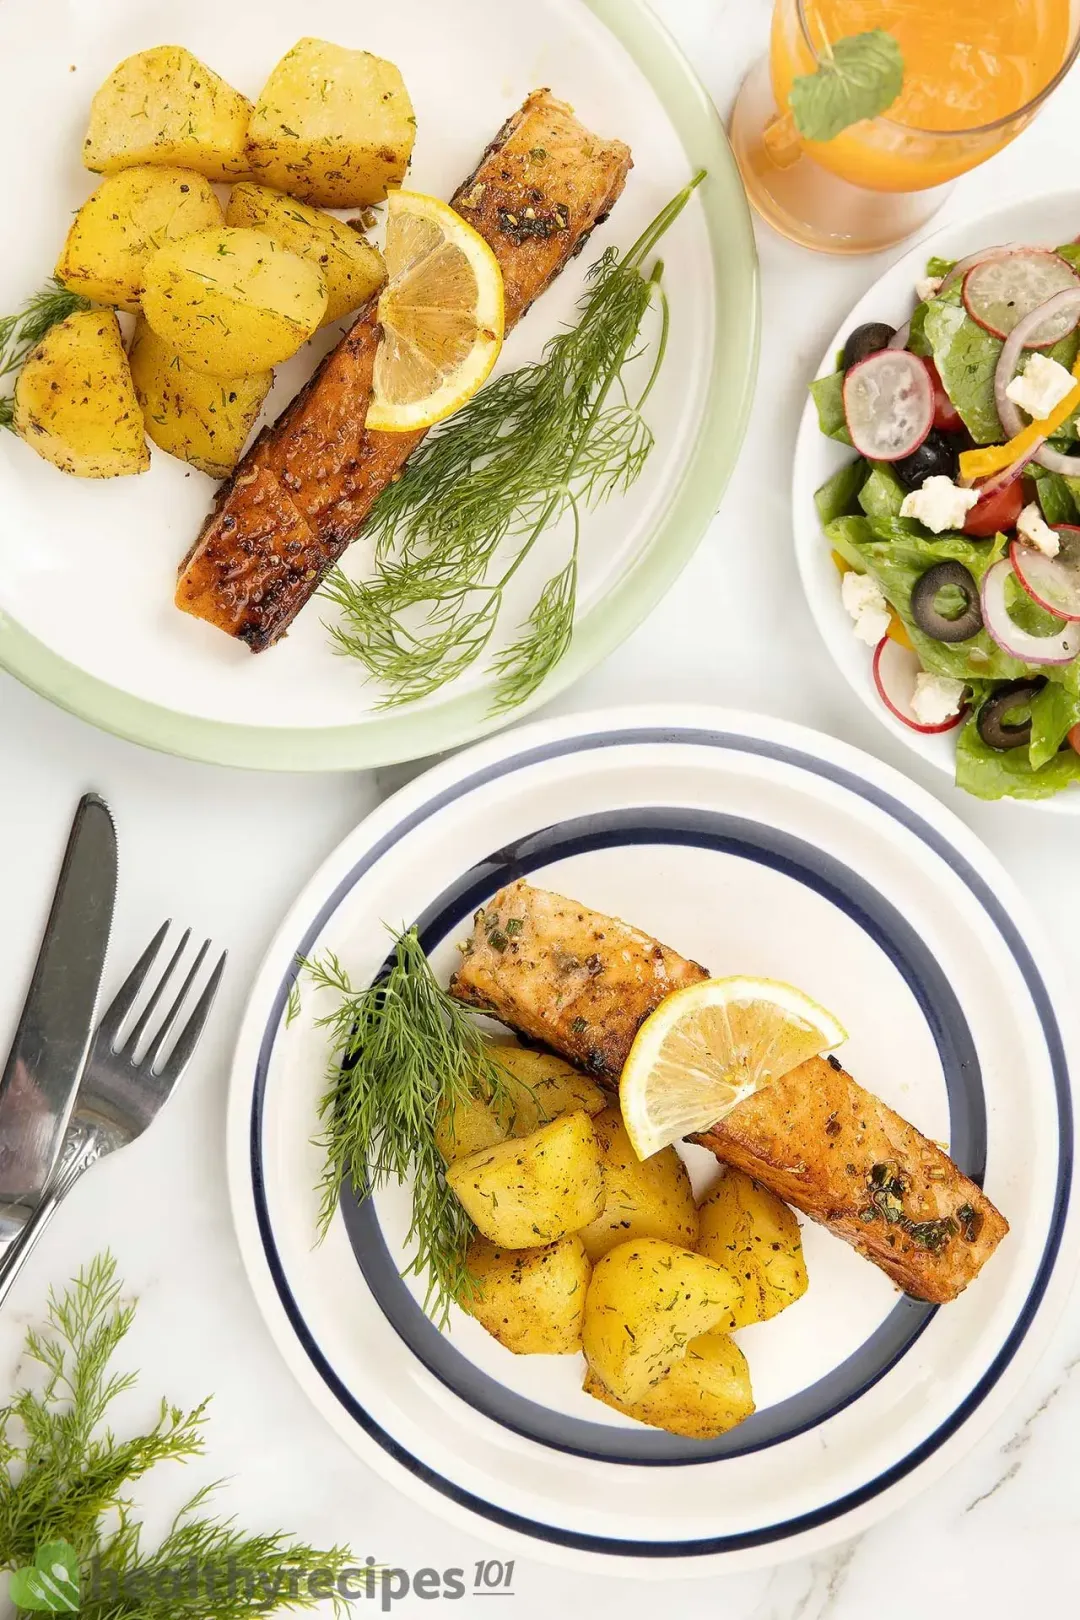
(881, 179)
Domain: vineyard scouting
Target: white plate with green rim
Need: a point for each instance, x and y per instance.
(87, 569)
(755, 847)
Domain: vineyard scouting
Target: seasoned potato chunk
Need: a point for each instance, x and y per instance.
(646, 1301)
(165, 106)
(534, 1189)
(75, 402)
(232, 302)
(653, 1198)
(705, 1394)
(752, 1233)
(540, 1088)
(351, 268)
(201, 419)
(123, 224)
(332, 126)
(531, 1300)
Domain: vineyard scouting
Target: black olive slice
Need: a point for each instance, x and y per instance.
(936, 457)
(924, 609)
(993, 729)
(870, 338)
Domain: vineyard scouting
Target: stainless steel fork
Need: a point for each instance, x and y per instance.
(123, 1088)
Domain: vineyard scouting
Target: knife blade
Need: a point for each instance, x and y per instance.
(41, 1077)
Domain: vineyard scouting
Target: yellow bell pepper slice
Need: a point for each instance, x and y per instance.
(981, 463)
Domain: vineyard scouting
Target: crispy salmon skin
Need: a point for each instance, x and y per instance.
(304, 489)
(577, 981)
(836, 1152)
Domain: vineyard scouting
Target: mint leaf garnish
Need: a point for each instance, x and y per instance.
(861, 77)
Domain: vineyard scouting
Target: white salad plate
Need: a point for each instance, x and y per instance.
(88, 569)
(1048, 220)
(755, 847)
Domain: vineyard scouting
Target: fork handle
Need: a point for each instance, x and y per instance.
(81, 1150)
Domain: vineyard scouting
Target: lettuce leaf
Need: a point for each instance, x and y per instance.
(897, 552)
(882, 495)
(1054, 712)
(988, 774)
(839, 495)
(828, 395)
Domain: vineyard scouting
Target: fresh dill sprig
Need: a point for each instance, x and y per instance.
(64, 1475)
(560, 435)
(20, 332)
(402, 1051)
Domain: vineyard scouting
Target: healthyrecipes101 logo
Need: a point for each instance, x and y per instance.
(54, 1584)
(51, 1582)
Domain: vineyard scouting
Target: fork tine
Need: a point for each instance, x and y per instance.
(128, 993)
(153, 1051)
(132, 1041)
(181, 1054)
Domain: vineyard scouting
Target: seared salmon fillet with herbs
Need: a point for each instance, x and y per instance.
(835, 1152)
(573, 979)
(305, 488)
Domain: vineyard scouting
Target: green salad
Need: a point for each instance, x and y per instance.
(955, 526)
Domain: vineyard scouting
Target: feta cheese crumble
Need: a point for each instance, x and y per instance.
(1040, 387)
(862, 596)
(936, 698)
(928, 287)
(1035, 531)
(939, 504)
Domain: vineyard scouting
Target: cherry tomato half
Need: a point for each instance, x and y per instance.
(1074, 739)
(996, 512)
(946, 415)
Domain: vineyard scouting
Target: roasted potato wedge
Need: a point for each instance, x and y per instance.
(351, 268)
(165, 106)
(705, 1394)
(756, 1237)
(534, 1189)
(232, 302)
(531, 1300)
(653, 1198)
(200, 419)
(75, 402)
(646, 1301)
(540, 1088)
(123, 224)
(332, 126)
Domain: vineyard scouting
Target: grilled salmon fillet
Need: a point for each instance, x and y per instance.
(834, 1151)
(571, 978)
(582, 983)
(304, 489)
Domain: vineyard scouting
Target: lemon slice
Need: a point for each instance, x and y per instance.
(441, 313)
(709, 1046)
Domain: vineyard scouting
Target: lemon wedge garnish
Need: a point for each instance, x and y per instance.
(441, 313)
(711, 1045)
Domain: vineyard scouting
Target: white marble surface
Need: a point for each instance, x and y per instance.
(227, 852)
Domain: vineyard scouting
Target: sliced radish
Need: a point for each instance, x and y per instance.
(984, 255)
(1061, 648)
(896, 670)
(1000, 293)
(888, 404)
(1052, 582)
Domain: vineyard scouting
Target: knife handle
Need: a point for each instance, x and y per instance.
(82, 1149)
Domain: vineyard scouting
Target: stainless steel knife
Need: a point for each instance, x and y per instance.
(38, 1086)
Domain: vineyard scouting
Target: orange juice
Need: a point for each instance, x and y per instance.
(967, 64)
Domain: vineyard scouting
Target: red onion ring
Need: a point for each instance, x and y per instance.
(1031, 649)
(1009, 413)
(899, 338)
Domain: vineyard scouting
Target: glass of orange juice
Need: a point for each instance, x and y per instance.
(975, 72)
